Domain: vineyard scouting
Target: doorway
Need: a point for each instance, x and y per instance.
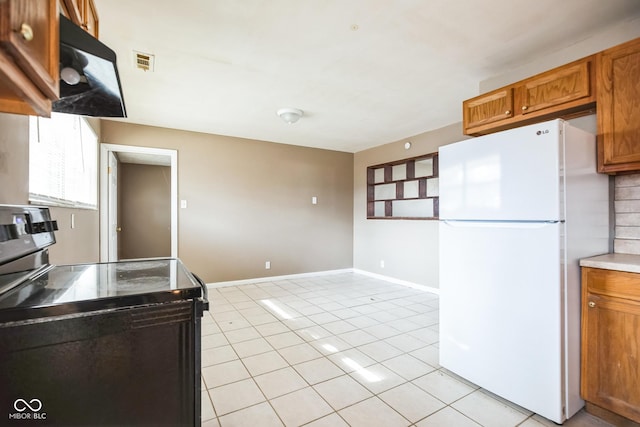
(111, 157)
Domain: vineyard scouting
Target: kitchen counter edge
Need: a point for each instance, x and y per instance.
(619, 262)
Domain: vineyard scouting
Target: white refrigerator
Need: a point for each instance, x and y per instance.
(518, 209)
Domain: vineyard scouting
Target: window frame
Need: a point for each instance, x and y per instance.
(57, 134)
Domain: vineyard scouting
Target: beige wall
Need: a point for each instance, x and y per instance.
(409, 248)
(76, 245)
(145, 206)
(14, 159)
(250, 202)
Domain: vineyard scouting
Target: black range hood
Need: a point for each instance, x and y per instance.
(89, 83)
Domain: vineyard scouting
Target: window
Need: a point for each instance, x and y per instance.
(404, 189)
(63, 162)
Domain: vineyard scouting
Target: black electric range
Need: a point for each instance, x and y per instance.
(94, 344)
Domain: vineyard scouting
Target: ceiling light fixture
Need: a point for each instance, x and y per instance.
(290, 115)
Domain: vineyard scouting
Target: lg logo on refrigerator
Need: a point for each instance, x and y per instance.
(542, 132)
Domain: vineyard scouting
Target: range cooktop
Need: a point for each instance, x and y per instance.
(72, 289)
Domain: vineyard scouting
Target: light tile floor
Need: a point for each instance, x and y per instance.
(338, 350)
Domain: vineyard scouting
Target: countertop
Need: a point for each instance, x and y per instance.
(620, 262)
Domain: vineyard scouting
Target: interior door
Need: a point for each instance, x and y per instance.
(113, 206)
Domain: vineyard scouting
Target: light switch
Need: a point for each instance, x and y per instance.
(183, 204)
(314, 200)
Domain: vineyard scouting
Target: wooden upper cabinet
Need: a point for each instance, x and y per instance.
(566, 91)
(29, 54)
(556, 88)
(619, 108)
(610, 368)
(488, 108)
(90, 15)
(71, 9)
(83, 13)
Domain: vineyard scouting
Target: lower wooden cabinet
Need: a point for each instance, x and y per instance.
(611, 341)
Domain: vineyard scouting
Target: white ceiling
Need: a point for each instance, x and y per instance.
(365, 72)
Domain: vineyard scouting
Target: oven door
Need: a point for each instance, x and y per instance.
(126, 366)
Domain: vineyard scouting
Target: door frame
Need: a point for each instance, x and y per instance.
(105, 188)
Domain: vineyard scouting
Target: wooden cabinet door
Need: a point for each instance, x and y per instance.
(29, 46)
(90, 18)
(73, 9)
(611, 341)
(83, 13)
(556, 88)
(29, 32)
(619, 108)
(565, 92)
(486, 109)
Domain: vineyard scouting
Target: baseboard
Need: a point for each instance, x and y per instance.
(610, 417)
(325, 273)
(398, 281)
(273, 278)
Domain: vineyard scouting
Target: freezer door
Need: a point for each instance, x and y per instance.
(511, 175)
(501, 310)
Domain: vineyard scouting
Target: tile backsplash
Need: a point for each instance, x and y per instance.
(627, 214)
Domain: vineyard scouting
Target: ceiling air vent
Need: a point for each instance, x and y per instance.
(143, 61)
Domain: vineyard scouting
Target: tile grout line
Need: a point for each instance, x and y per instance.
(318, 299)
(322, 356)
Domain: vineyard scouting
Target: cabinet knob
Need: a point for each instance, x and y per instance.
(506, 113)
(118, 229)
(592, 304)
(26, 31)
(525, 108)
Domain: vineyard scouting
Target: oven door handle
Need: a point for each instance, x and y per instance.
(205, 292)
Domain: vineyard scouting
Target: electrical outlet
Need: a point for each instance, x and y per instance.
(381, 263)
(267, 265)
